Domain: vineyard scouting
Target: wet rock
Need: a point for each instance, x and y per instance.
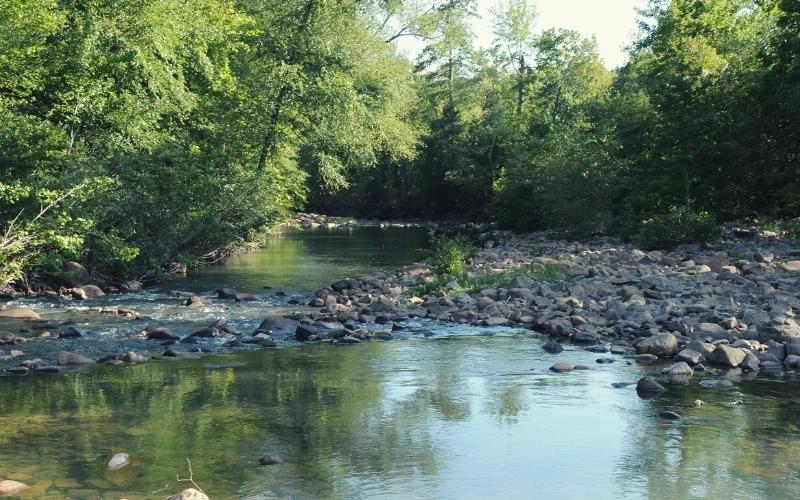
(244, 297)
(304, 332)
(66, 358)
(47, 369)
(621, 385)
(22, 313)
(118, 461)
(792, 361)
(669, 415)
(726, 356)
(680, 368)
(278, 326)
(269, 460)
(721, 383)
(562, 367)
(647, 387)
(604, 360)
(133, 358)
(7, 338)
(131, 286)
(689, 356)
(660, 344)
(207, 332)
(18, 370)
(552, 347)
(750, 363)
(225, 293)
(581, 367)
(349, 339)
(159, 333)
(195, 301)
(69, 332)
(9, 487)
(645, 358)
(189, 494)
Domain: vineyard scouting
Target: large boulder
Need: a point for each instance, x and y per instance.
(791, 266)
(661, 344)
(75, 274)
(781, 330)
(278, 326)
(19, 313)
(92, 291)
(726, 355)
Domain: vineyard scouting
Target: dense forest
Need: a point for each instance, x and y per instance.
(135, 134)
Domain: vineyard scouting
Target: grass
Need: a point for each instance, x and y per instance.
(463, 283)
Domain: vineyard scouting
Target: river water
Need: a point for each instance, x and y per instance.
(446, 411)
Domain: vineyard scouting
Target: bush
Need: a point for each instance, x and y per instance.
(448, 253)
(679, 225)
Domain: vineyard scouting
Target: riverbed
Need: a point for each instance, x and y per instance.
(443, 411)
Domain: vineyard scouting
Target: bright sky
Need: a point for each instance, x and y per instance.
(613, 22)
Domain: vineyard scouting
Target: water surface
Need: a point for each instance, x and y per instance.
(446, 411)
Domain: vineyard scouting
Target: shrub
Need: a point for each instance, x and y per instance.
(448, 253)
(679, 225)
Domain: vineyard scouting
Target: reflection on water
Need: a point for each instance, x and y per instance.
(308, 260)
(458, 417)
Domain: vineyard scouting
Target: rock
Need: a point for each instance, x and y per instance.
(680, 368)
(721, 383)
(244, 297)
(133, 358)
(603, 361)
(750, 362)
(702, 347)
(160, 333)
(792, 361)
(92, 292)
(118, 461)
(69, 332)
(47, 369)
(131, 286)
(76, 274)
(170, 353)
(207, 332)
(304, 332)
(697, 403)
(660, 344)
(645, 358)
(278, 326)
(552, 347)
(66, 358)
(727, 356)
(791, 266)
(189, 494)
(647, 388)
(19, 313)
(581, 367)
(781, 330)
(669, 415)
(764, 256)
(562, 367)
(269, 460)
(9, 487)
(225, 293)
(689, 356)
(7, 338)
(194, 301)
(18, 370)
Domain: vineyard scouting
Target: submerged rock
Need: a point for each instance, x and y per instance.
(562, 367)
(722, 383)
(118, 461)
(269, 460)
(552, 347)
(669, 415)
(70, 358)
(647, 388)
(9, 487)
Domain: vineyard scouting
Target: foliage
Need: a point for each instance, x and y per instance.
(462, 282)
(675, 227)
(449, 253)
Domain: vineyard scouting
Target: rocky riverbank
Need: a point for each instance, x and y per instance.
(315, 221)
(732, 304)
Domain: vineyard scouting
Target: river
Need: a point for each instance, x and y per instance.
(445, 411)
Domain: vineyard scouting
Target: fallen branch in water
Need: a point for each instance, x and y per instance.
(189, 479)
